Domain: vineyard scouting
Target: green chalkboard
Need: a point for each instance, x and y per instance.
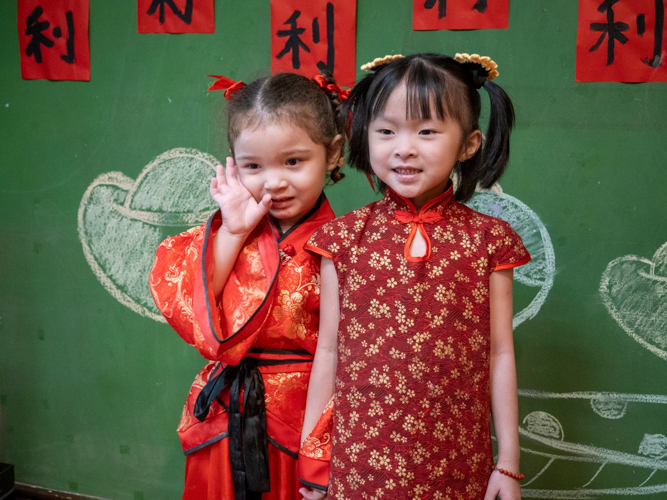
(92, 382)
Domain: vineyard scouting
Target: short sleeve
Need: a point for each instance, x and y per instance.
(505, 247)
(324, 241)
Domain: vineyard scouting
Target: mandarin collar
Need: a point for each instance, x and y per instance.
(439, 203)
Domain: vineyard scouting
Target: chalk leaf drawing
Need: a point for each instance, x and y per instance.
(540, 271)
(121, 221)
(545, 446)
(634, 289)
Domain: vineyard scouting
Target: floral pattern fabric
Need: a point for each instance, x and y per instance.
(411, 415)
(289, 304)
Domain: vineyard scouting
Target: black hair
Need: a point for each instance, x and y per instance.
(290, 97)
(437, 83)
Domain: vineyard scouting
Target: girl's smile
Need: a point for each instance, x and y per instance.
(406, 173)
(281, 203)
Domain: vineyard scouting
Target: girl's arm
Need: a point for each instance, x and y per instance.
(240, 214)
(504, 399)
(323, 375)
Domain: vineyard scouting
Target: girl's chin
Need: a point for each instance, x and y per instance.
(285, 217)
(406, 191)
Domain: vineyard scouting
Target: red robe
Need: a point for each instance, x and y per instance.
(260, 340)
(411, 409)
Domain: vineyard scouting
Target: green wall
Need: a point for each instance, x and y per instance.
(91, 392)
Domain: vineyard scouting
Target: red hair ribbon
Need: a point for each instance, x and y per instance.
(229, 86)
(428, 217)
(331, 87)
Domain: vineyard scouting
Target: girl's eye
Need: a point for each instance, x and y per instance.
(385, 131)
(427, 132)
(293, 162)
(251, 166)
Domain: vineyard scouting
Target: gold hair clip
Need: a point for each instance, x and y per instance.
(379, 61)
(485, 62)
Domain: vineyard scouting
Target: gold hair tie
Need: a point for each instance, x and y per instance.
(485, 62)
(379, 61)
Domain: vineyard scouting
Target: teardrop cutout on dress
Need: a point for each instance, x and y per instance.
(418, 248)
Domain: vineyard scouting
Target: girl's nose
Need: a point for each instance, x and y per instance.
(275, 183)
(404, 147)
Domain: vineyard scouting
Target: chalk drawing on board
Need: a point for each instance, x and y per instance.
(121, 221)
(539, 272)
(545, 445)
(634, 290)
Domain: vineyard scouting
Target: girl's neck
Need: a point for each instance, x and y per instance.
(425, 197)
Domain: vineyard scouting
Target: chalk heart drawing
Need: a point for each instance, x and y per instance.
(539, 272)
(121, 221)
(545, 446)
(634, 289)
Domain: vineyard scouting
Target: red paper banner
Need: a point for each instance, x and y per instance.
(310, 34)
(621, 41)
(175, 16)
(53, 39)
(460, 14)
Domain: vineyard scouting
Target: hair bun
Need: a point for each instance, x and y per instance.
(482, 68)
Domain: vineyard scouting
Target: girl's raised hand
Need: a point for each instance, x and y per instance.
(240, 212)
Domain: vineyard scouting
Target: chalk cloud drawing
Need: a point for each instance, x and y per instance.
(539, 272)
(634, 289)
(545, 446)
(121, 221)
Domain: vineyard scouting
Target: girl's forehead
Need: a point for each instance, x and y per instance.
(273, 137)
(402, 105)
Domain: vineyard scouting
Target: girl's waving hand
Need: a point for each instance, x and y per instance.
(240, 211)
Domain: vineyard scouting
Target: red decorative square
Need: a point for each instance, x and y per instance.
(621, 41)
(309, 34)
(175, 16)
(53, 39)
(460, 14)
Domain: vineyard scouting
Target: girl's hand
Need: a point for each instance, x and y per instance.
(240, 212)
(312, 494)
(502, 486)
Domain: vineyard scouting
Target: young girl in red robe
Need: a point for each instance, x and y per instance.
(418, 351)
(242, 290)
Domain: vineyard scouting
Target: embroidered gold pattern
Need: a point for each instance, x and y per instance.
(412, 402)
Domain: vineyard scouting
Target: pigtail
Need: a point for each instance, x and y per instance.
(487, 166)
(334, 99)
(495, 152)
(336, 105)
(355, 115)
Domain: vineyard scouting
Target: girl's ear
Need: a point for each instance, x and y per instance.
(334, 151)
(471, 145)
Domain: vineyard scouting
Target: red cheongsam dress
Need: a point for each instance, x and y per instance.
(411, 408)
(241, 424)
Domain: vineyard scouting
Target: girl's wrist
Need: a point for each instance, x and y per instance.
(229, 235)
(512, 473)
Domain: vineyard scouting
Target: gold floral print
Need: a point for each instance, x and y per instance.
(412, 386)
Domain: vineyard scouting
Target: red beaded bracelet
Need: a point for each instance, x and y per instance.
(518, 477)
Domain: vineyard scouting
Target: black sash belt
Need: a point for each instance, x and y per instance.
(248, 441)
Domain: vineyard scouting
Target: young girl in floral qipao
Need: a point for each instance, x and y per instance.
(423, 354)
(242, 290)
